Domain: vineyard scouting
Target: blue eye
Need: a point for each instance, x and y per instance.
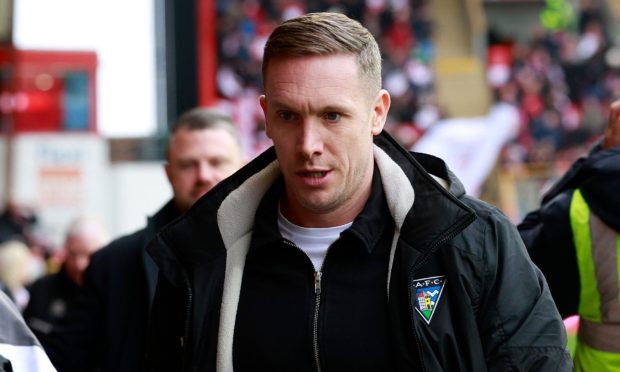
(332, 116)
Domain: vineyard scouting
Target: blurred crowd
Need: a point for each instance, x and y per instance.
(22, 260)
(403, 29)
(561, 81)
(25, 257)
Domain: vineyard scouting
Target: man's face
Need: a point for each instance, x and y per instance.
(322, 119)
(79, 249)
(197, 160)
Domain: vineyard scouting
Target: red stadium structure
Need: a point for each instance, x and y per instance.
(47, 91)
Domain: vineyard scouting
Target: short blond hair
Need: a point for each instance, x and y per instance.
(15, 257)
(321, 34)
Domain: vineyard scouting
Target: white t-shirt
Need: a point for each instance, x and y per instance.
(313, 241)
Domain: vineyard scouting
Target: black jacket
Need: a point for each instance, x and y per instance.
(495, 311)
(106, 329)
(547, 231)
(50, 298)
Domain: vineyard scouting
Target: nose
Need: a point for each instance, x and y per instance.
(311, 140)
(206, 173)
(82, 263)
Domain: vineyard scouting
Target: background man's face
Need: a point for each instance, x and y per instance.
(322, 119)
(197, 160)
(79, 249)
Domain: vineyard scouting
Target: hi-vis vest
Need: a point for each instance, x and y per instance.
(598, 257)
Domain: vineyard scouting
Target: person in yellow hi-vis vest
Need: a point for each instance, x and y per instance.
(574, 238)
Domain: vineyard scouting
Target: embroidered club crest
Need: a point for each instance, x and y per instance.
(427, 292)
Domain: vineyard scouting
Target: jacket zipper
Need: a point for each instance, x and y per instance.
(317, 303)
(184, 338)
(447, 236)
(315, 331)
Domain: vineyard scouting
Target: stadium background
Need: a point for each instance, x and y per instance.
(555, 62)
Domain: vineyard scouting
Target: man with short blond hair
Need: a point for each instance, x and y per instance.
(337, 250)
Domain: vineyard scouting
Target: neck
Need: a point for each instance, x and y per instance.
(313, 219)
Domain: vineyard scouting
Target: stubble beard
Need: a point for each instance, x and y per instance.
(335, 198)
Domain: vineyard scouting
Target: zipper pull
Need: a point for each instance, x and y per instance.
(317, 282)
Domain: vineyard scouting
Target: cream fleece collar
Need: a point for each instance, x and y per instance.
(235, 219)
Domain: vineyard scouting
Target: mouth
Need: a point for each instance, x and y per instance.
(314, 177)
(320, 174)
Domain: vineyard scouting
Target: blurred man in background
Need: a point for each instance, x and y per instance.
(575, 240)
(107, 330)
(52, 295)
(16, 221)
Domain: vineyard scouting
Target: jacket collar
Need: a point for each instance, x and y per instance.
(168, 213)
(435, 214)
(195, 239)
(598, 177)
(366, 227)
(201, 235)
(165, 215)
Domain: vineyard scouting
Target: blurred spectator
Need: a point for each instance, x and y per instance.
(15, 222)
(547, 127)
(107, 329)
(574, 238)
(52, 295)
(19, 348)
(14, 271)
(565, 81)
(573, 73)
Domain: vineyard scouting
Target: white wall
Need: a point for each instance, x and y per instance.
(122, 34)
(138, 191)
(65, 175)
(60, 176)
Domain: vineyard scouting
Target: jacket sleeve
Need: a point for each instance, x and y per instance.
(548, 237)
(75, 343)
(519, 322)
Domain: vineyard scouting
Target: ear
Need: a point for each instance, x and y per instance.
(381, 107)
(262, 100)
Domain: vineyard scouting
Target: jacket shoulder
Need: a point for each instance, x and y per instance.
(119, 253)
(490, 219)
(43, 283)
(516, 309)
